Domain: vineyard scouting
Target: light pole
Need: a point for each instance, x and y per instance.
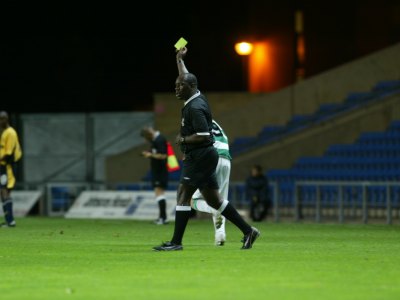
(244, 49)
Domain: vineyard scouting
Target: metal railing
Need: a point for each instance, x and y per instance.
(59, 196)
(389, 194)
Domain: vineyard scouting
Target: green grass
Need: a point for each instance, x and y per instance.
(52, 258)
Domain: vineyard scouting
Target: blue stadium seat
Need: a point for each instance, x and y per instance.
(387, 85)
(352, 196)
(395, 196)
(394, 126)
(286, 193)
(358, 98)
(299, 121)
(60, 198)
(174, 176)
(147, 187)
(147, 177)
(376, 196)
(327, 108)
(307, 195)
(172, 186)
(128, 187)
(240, 191)
(270, 131)
(328, 195)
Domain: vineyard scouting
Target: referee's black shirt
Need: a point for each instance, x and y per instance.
(159, 145)
(196, 119)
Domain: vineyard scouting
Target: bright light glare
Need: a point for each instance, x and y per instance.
(243, 48)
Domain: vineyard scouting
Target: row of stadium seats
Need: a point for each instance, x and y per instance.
(324, 112)
(376, 195)
(146, 186)
(334, 175)
(378, 138)
(377, 161)
(360, 150)
(348, 163)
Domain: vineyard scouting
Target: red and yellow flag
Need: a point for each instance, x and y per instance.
(172, 161)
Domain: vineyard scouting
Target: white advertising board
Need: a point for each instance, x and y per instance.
(23, 201)
(136, 205)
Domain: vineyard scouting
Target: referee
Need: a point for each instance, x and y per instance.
(159, 171)
(200, 161)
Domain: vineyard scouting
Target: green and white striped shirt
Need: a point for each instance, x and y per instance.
(221, 140)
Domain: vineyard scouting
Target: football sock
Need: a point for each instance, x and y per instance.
(232, 215)
(8, 211)
(219, 223)
(182, 216)
(162, 205)
(201, 205)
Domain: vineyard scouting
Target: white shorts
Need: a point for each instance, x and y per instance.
(223, 173)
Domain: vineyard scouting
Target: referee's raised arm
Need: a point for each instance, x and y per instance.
(180, 55)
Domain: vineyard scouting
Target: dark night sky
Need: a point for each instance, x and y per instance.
(111, 57)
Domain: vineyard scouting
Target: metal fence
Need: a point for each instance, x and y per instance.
(341, 201)
(354, 196)
(322, 200)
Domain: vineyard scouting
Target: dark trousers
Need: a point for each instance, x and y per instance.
(258, 210)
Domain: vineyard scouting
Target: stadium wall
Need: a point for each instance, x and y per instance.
(73, 146)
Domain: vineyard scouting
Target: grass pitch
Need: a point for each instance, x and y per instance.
(52, 258)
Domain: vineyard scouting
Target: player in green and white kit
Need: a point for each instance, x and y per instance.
(223, 172)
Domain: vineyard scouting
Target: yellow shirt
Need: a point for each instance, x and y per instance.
(9, 144)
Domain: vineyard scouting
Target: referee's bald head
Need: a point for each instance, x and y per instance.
(190, 79)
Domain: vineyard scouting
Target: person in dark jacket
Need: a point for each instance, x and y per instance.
(257, 194)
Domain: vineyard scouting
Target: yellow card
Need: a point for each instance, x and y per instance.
(181, 43)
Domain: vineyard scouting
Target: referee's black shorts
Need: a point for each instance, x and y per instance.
(199, 168)
(160, 179)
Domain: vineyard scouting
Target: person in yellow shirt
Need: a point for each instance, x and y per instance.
(10, 153)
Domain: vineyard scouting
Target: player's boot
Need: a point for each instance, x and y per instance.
(168, 246)
(250, 238)
(161, 221)
(220, 239)
(12, 224)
